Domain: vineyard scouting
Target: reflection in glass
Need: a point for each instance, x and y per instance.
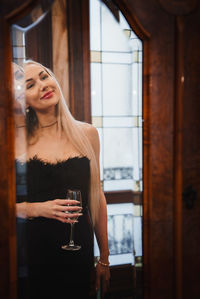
(19, 109)
(21, 183)
(19, 32)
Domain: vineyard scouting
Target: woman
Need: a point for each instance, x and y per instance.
(62, 153)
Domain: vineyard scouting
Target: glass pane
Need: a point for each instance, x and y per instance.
(136, 82)
(95, 29)
(116, 86)
(122, 122)
(115, 141)
(96, 88)
(113, 37)
(119, 102)
(19, 54)
(116, 57)
(121, 231)
(137, 223)
(118, 185)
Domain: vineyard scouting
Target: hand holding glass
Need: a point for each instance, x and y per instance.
(74, 195)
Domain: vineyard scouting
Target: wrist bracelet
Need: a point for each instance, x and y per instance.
(103, 264)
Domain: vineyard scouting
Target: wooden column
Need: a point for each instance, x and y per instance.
(7, 176)
(191, 157)
(60, 46)
(178, 144)
(79, 59)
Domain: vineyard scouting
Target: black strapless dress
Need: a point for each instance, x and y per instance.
(51, 271)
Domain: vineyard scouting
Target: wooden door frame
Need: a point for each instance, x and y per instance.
(10, 13)
(80, 107)
(145, 37)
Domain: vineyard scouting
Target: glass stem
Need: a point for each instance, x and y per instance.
(71, 242)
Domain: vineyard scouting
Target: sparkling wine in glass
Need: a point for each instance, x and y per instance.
(74, 195)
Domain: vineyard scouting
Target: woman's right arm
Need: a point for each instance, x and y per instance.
(53, 209)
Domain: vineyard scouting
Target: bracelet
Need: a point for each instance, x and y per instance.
(103, 264)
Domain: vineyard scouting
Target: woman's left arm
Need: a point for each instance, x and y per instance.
(102, 268)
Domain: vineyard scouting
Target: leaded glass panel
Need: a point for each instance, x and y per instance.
(116, 92)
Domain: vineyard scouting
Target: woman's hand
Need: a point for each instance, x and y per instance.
(64, 210)
(60, 209)
(102, 277)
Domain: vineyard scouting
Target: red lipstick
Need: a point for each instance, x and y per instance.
(47, 95)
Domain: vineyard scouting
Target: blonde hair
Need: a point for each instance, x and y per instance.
(80, 141)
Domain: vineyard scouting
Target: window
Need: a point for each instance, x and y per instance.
(116, 99)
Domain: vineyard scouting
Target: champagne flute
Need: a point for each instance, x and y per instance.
(74, 195)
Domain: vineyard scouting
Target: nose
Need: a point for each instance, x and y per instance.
(43, 85)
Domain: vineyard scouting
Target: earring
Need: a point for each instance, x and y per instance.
(27, 110)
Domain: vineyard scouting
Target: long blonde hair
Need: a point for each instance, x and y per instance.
(79, 140)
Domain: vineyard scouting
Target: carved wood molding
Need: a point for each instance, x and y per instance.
(15, 10)
(132, 19)
(178, 7)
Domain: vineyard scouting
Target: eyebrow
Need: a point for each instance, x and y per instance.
(32, 78)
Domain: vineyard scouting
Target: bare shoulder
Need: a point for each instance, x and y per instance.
(91, 132)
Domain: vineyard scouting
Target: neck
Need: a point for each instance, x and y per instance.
(48, 125)
(19, 121)
(47, 120)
